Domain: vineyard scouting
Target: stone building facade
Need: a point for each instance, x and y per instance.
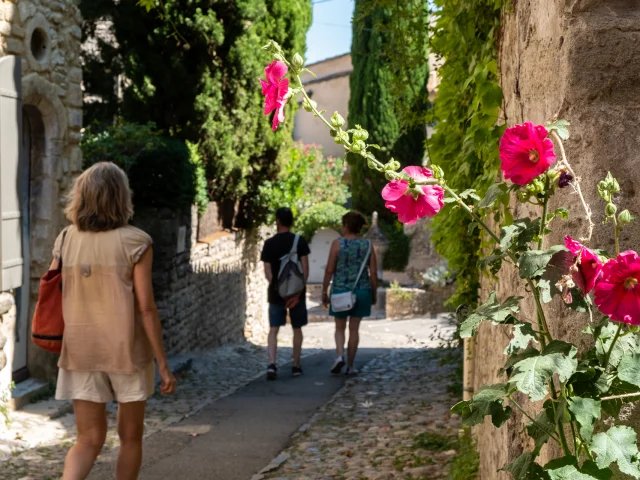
(570, 59)
(45, 37)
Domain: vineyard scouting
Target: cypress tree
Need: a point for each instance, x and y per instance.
(375, 105)
(192, 68)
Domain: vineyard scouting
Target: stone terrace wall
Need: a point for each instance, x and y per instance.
(209, 292)
(573, 59)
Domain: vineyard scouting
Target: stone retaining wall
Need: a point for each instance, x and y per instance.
(416, 302)
(7, 326)
(209, 292)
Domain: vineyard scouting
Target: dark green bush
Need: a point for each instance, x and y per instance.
(321, 215)
(161, 170)
(397, 257)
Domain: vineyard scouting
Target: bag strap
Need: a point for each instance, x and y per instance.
(64, 235)
(294, 249)
(364, 264)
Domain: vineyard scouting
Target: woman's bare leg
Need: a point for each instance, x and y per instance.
(91, 422)
(354, 340)
(130, 431)
(341, 327)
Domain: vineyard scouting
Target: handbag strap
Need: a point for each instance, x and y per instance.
(364, 263)
(64, 235)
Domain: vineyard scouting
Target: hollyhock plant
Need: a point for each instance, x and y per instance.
(525, 152)
(275, 90)
(589, 266)
(413, 203)
(618, 292)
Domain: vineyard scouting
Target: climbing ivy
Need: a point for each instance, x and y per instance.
(466, 114)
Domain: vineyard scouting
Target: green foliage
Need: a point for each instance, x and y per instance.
(618, 444)
(466, 464)
(372, 104)
(4, 398)
(318, 216)
(192, 67)
(201, 195)
(306, 178)
(465, 142)
(397, 257)
(162, 172)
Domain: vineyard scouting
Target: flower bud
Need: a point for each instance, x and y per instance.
(553, 175)
(297, 61)
(336, 120)
(360, 134)
(392, 165)
(625, 217)
(523, 196)
(341, 137)
(278, 57)
(309, 105)
(358, 146)
(610, 209)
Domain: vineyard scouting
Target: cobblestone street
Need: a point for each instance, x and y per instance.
(390, 422)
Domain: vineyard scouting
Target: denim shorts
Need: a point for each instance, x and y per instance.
(362, 308)
(298, 314)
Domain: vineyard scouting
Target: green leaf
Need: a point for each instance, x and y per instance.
(513, 359)
(617, 445)
(586, 412)
(532, 374)
(488, 401)
(472, 227)
(470, 193)
(493, 193)
(546, 294)
(522, 229)
(525, 468)
(570, 472)
(533, 263)
(625, 345)
(523, 334)
(491, 311)
(148, 5)
(540, 429)
(629, 369)
(561, 128)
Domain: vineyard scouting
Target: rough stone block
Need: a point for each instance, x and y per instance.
(6, 302)
(5, 28)
(75, 118)
(15, 46)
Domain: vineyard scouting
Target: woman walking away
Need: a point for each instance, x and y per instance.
(352, 265)
(112, 330)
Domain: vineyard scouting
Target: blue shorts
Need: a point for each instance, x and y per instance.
(298, 314)
(362, 308)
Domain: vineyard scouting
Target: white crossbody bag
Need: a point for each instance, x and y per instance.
(343, 302)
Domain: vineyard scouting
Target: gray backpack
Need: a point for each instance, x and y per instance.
(290, 277)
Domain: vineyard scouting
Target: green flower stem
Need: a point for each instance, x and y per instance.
(576, 186)
(613, 343)
(543, 223)
(533, 420)
(563, 437)
(616, 233)
(347, 145)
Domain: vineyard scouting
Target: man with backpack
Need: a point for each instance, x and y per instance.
(286, 266)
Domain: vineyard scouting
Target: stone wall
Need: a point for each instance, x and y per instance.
(46, 34)
(572, 59)
(209, 292)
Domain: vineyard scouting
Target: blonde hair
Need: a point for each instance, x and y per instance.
(100, 199)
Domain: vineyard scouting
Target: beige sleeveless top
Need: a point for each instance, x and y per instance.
(103, 330)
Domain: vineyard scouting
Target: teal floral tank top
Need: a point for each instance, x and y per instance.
(350, 257)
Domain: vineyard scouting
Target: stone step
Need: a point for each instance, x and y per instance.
(29, 391)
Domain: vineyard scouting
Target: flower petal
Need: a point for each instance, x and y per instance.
(419, 174)
(275, 71)
(394, 190)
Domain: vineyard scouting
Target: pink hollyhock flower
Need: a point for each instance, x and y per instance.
(589, 266)
(275, 89)
(413, 203)
(618, 292)
(525, 152)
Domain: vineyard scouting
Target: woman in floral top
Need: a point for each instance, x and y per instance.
(346, 259)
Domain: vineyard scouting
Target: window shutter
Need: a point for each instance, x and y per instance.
(10, 142)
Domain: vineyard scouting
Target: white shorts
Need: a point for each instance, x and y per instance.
(101, 387)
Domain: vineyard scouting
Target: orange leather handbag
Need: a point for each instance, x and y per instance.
(47, 327)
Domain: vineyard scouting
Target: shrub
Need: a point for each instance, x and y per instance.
(163, 172)
(397, 257)
(321, 215)
(306, 178)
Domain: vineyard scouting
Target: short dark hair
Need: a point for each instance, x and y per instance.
(284, 216)
(354, 221)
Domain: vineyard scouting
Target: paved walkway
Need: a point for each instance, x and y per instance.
(213, 427)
